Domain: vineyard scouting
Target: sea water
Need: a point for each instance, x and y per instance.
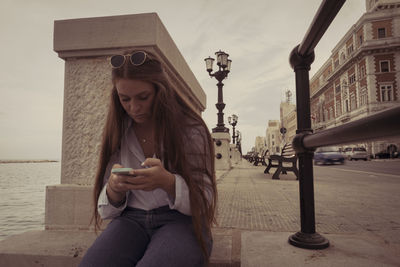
(22, 195)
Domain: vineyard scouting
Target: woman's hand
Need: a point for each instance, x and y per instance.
(117, 187)
(154, 176)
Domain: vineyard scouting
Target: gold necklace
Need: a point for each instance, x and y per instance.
(145, 140)
(141, 139)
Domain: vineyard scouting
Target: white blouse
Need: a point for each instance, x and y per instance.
(131, 156)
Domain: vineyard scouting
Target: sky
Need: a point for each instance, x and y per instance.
(258, 35)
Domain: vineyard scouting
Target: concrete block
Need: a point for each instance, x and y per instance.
(45, 248)
(68, 207)
(235, 154)
(222, 150)
(227, 247)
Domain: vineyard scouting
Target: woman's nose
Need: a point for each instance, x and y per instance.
(134, 106)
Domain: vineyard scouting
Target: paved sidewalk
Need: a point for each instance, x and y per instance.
(262, 213)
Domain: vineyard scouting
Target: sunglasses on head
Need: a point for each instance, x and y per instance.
(136, 59)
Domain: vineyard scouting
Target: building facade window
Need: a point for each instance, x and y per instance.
(350, 49)
(363, 96)
(381, 32)
(337, 88)
(346, 105)
(321, 117)
(386, 92)
(338, 109)
(353, 103)
(352, 78)
(342, 56)
(362, 72)
(336, 63)
(360, 39)
(384, 66)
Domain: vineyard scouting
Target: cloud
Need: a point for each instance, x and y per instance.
(258, 35)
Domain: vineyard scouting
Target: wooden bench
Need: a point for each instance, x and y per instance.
(261, 158)
(251, 156)
(281, 162)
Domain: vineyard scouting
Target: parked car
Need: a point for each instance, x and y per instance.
(328, 155)
(358, 153)
(347, 151)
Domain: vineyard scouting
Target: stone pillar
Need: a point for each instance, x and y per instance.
(235, 155)
(222, 150)
(85, 45)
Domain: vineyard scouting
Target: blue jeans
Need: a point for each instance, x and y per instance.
(159, 237)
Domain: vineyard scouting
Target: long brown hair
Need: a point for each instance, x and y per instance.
(175, 122)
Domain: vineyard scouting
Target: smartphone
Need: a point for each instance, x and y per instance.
(122, 171)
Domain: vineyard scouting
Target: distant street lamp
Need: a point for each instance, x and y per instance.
(233, 121)
(224, 66)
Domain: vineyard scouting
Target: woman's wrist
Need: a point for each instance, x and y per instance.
(115, 198)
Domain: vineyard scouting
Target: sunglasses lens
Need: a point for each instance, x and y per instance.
(117, 61)
(138, 58)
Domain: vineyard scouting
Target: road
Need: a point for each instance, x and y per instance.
(372, 167)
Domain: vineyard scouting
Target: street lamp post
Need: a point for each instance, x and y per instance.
(239, 142)
(233, 121)
(224, 66)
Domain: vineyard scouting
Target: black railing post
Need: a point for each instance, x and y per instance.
(307, 237)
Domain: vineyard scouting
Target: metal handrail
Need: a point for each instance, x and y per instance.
(377, 126)
(323, 18)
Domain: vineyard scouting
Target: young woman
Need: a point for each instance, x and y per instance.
(162, 211)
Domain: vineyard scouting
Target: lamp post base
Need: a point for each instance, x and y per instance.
(220, 130)
(308, 241)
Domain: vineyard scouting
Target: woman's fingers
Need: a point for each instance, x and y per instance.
(143, 172)
(150, 162)
(151, 177)
(117, 166)
(141, 183)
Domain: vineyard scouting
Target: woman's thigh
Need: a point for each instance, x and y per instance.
(175, 245)
(122, 243)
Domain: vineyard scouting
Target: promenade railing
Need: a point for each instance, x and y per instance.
(377, 126)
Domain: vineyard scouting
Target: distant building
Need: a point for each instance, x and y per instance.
(259, 145)
(273, 137)
(361, 77)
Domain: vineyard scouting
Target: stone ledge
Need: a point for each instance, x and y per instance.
(66, 248)
(45, 248)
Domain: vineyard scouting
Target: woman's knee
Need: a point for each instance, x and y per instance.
(122, 243)
(175, 245)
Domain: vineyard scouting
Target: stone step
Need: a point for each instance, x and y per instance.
(66, 248)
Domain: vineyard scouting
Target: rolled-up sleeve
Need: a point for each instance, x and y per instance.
(106, 209)
(181, 202)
